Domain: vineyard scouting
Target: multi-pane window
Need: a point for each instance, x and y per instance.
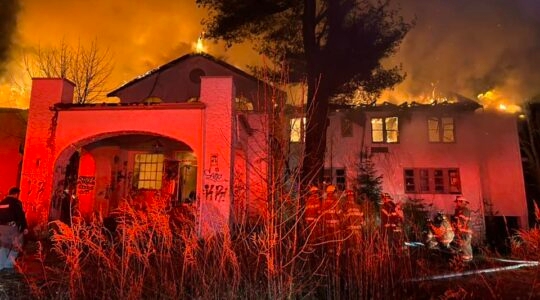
(346, 127)
(298, 126)
(441, 129)
(337, 177)
(432, 181)
(148, 171)
(384, 130)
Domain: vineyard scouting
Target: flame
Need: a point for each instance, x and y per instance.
(493, 99)
(199, 46)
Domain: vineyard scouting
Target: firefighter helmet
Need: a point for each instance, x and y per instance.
(439, 217)
(461, 199)
(386, 197)
(330, 189)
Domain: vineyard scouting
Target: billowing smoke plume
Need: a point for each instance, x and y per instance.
(471, 47)
(8, 25)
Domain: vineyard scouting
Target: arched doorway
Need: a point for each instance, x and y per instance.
(129, 167)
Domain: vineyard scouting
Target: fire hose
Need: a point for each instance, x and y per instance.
(517, 264)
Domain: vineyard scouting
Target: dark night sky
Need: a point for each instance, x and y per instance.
(464, 46)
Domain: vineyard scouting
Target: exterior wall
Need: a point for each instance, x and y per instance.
(486, 152)
(217, 157)
(40, 150)
(173, 83)
(53, 136)
(12, 129)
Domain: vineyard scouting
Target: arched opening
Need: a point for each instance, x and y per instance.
(96, 176)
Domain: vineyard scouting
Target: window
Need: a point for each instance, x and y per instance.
(441, 130)
(337, 177)
(432, 181)
(148, 171)
(346, 127)
(384, 130)
(298, 126)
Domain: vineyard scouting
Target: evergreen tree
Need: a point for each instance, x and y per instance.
(368, 182)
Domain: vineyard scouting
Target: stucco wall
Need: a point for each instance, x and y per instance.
(486, 151)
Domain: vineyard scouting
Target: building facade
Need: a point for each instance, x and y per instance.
(189, 133)
(432, 153)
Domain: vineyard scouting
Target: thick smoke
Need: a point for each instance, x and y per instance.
(8, 25)
(471, 47)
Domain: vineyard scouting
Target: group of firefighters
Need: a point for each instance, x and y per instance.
(329, 219)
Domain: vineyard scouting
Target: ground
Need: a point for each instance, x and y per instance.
(522, 283)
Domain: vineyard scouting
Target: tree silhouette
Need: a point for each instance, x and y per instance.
(335, 46)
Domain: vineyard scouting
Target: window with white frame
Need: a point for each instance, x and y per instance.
(337, 177)
(297, 126)
(441, 129)
(432, 181)
(385, 130)
(148, 171)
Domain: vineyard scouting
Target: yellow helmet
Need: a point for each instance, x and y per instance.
(330, 189)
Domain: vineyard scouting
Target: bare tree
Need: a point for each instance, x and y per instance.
(88, 67)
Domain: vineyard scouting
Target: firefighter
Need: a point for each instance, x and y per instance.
(392, 220)
(331, 216)
(462, 220)
(353, 219)
(440, 232)
(311, 216)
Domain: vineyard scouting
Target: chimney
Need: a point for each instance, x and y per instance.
(39, 147)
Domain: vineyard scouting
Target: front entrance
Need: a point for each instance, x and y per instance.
(133, 169)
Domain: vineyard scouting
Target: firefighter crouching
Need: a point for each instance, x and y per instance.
(392, 220)
(311, 217)
(440, 232)
(353, 220)
(461, 222)
(331, 216)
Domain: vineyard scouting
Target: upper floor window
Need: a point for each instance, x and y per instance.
(298, 126)
(346, 127)
(432, 181)
(441, 130)
(148, 171)
(384, 130)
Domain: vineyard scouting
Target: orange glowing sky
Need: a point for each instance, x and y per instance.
(488, 47)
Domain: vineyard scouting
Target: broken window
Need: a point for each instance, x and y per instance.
(148, 171)
(384, 130)
(297, 126)
(337, 177)
(432, 181)
(346, 127)
(441, 129)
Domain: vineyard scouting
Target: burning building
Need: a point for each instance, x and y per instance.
(194, 132)
(190, 133)
(433, 152)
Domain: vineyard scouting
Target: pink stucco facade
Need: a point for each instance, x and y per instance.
(108, 138)
(485, 153)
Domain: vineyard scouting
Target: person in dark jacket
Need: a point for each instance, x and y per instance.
(12, 228)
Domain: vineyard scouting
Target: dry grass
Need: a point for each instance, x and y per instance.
(156, 254)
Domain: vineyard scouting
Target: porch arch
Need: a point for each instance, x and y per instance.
(113, 166)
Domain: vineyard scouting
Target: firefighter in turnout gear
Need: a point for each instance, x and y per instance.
(331, 215)
(392, 220)
(462, 220)
(440, 232)
(353, 219)
(311, 217)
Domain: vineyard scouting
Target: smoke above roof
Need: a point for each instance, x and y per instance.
(8, 26)
(483, 49)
